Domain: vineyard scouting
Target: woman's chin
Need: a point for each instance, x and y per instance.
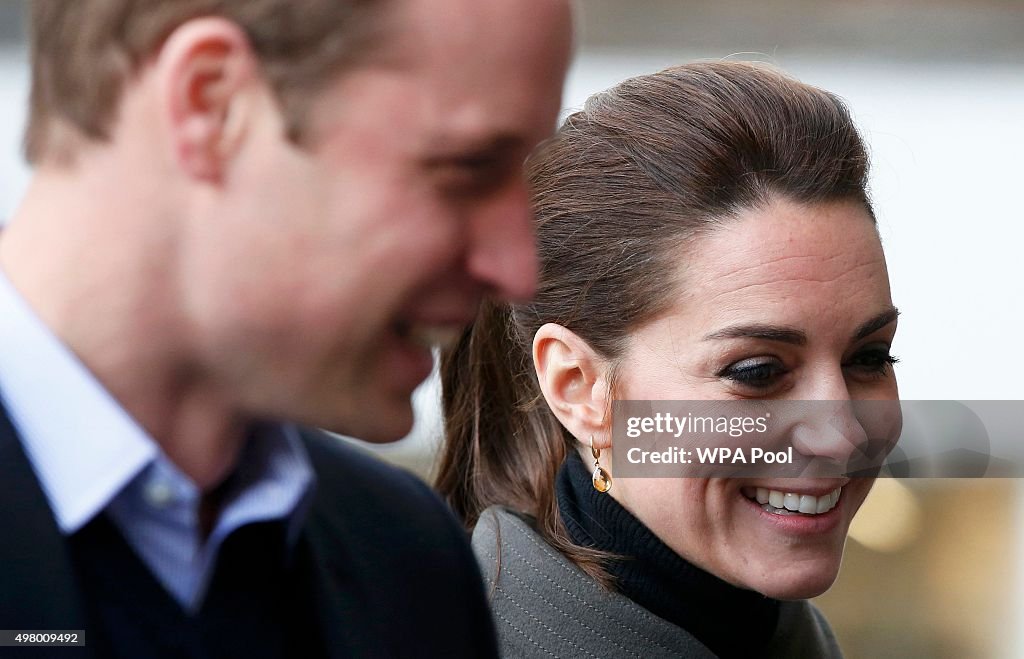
(802, 580)
(799, 590)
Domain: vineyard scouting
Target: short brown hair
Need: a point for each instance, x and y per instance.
(83, 52)
(641, 170)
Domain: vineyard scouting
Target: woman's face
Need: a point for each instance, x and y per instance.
(789, 302)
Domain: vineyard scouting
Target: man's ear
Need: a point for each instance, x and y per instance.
(208, 77)
(574, 381)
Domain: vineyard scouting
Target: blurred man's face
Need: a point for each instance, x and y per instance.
(338, 264)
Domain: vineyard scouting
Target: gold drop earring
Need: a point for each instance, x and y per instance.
(602, 481)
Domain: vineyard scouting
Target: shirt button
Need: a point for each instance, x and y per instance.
(159, 494)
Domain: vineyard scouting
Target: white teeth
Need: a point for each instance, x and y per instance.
(431, 336)
(788, 503)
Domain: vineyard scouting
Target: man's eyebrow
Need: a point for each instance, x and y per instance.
(765, 332)
(876, 323)
(492, 143)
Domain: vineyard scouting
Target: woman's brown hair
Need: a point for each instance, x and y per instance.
(640, 171)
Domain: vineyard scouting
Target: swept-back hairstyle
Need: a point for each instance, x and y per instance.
(623, 186)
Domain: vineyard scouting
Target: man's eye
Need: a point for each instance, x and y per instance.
(478, 163)
(755, 373)
(469, 171)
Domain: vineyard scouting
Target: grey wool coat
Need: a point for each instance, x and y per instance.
(544, 606)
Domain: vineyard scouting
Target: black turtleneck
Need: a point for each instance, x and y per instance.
(730, 621)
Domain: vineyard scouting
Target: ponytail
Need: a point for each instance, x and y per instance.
(503, 445)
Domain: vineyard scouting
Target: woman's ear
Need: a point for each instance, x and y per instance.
(574, 380)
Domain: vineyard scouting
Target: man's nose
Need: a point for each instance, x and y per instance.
(502, 253)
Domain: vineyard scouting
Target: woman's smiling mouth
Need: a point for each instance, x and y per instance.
(779, 502)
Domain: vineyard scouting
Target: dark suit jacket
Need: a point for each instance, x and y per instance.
(396, 575)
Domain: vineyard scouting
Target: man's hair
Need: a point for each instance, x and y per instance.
(84, 51)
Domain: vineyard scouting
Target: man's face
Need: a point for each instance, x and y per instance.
(324, 273)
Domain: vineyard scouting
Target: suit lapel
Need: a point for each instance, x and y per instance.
(37, 583)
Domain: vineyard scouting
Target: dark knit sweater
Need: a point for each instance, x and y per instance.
(259, 603)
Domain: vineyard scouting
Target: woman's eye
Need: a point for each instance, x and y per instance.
(873, 361)
(755, 373)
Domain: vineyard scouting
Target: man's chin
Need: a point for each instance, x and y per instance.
(379, 424)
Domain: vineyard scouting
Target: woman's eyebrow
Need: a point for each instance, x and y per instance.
(794, 336)
(876, 323)
(765, 332)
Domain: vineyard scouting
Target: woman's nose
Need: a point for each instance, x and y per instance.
(830, 429)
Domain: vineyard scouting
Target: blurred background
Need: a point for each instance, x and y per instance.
(933, 569)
